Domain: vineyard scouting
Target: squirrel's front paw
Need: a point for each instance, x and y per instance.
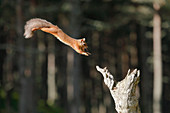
(85, 53)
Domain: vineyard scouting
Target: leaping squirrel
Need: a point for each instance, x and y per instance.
(79, 45)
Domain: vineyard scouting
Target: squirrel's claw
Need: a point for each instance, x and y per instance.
(85, 53)
(88, 53)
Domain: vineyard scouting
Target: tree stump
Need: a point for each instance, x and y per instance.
(123, 92)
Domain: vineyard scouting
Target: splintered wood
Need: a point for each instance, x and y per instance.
(123, 92)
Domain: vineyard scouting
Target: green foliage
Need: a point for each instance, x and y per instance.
(2, 99)
(13, 103)
(44, 108)
(8, 101)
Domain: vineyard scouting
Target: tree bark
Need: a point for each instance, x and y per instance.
(74, 60)
(146, 84)
(123, 92)
(51, 74)
(26, 63)
(21, 63)
(157, 60)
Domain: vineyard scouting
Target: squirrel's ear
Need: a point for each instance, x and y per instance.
(83, 39)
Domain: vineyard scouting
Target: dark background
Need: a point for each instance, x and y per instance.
(42, 75)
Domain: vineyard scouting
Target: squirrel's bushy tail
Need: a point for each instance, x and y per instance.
(35, 23)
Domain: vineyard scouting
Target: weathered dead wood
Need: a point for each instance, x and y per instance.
(123, 92)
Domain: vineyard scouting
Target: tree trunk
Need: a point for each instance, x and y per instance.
(74, 62)
(123, 92)
(146, 84)
(157, 60)
(51, 73)
(21, 63)
(26, 67)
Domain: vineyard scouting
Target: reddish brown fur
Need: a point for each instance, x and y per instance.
(79, 45)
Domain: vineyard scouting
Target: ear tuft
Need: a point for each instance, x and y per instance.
(83, 39)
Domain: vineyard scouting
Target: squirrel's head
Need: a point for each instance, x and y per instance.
(83, 43)
(83, 47)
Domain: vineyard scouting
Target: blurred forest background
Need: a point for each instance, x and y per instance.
(42, 75)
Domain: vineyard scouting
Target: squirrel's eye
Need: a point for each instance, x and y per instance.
(84, 44)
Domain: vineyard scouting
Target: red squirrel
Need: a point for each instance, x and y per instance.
(79, 45)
